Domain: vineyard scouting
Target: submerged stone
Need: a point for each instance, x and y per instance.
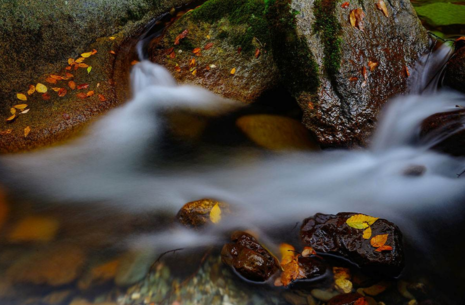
(330, 234)
(197, 214)
(250, 259)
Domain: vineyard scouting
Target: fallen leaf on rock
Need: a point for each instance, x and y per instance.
(379, 240)
(31, 90)
(25, 111)
(83, 86)
(8, 131)
(345, 5)
(11, 118)
(80, 60)
(372, 65)
(112, 38)
(194, 72)
(62, 92)
(196, 50)
(192, 63)
(233, 71)
(86, 55)
(407, 72)
(364, 73)
(41, 88)
(353, 78)
(90, 93)
(56, 89)
(101, 98)
(21, 97)
(208, 46)
(46, 96)
(27, 130)
(180, 37)
(70, 61)
(287, 253)
(367, 233)
(341, 273)
(382, 7)
(290, 265)
(172, 55)
(20, 106)
(177, 69)
(356, 18)
(169, 51)
(215, 214)
(257, 53)
(343, 285)
(83, 65)
(384, 248)
(308, 251)
(72, 85)
(361, 221)
(134, 62)
(81, 95)
(89, 69)
(113, 52)
(12, 110)
(57, 77)
(51, 80)
(94, 51)
(361, 301)
(68, 68)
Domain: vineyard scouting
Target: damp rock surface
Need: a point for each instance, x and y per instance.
(454, 75)
(330, 234)
(249, 258)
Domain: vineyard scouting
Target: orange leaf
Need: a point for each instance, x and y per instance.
(31, 90)
(56, 89)
(356, 18)
(83, 86)
(172, 55)
(372, 65)
(364, 73)
(361, 301)
(177, 69)
(345, 4)
(90, 93)
(384, 248)
(257, 53)
(208, 46)
(51, 80)
(382, 7)
(46, 96)
(407, 72)
(69, 75)
(83, 65)
(196, 50)
(81, 95)
(57, 77)
(79, 60)
(134, 62)
(72, 85)
(113, 52)
(11, 118)
(180, 37)
(169, 51)
(379, 240)
(233, 71)
(308, 251)
(27, 130)
(62, 92)
(192, 63)
(101, 98)
(353, 79)
(70, 61)
(239, 50)
(291, 272)
(94, 51)
(287, 253)
(68, 68)
(20, 106)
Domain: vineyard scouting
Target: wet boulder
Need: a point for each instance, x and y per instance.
(249, 258)
(454, 74)
(357, 68)
(223, 46)
(197, 214)
(331, 234)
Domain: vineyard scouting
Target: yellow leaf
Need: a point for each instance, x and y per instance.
(20, 106)
(11, 118)
(112, 38)
(31, 90)
(27, 130)
(215, 214)
(379, 240)
(80, 60)
(56, 89)
(287, 253)
(233, 71)
(13, 111)
(70, 61)
(382, 7)
(361, 221)
(341, 273)
(194, 72)
(85, 55)
(367, 233)
(41, 88)
(343, 285)
(21, 97)
(308, 251)
(352, 18)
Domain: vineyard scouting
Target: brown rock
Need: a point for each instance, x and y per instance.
(34, 229)
(454, 74)
(331, 234)
(249, 258)
(196, 214)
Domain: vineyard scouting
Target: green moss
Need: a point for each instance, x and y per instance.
(296, 63)
(329, 28)
(246, 16)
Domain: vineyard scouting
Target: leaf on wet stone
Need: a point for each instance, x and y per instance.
(364, 73)
(287, 253)
(372, 65)
(101, 98)
(215, 214)
(79, 60)
(56, 89)
(356, 18)
(361, 221)
(70, 61)
(194, 72)
(94, 51)
(89, 69)
(308, 251)
(361, 301)
(233, 71)
(257, 53)
(62, 92)
(208, 46)
(51, 80)
(383, 248)
(196, 50)
(407, 72)
(81, 95)
(367, 233)
(20, 106)
(289, 265)
(31, 90)
(27, 130)
(83, 86)
(169, 51)
(90, 93)
(341, 273)
(83, 65)
(382, 7)
(172, 55)
(345, 5)
(41, 88)
(180, 37)
(379, 240)
(11, 118)
(21, 97)
(343, 285)
(376, 289)
(69, 75)
(57, 77)
(46, 96)
(72, 85)
(12, 110)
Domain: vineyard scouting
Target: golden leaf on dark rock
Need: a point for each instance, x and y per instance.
(356, 18)
(382, 7)
(27, 130)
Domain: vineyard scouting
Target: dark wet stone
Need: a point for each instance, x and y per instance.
(454, 74)
(330, 234)
(347, 299)
(249, 258)
(446, 123)
(415, 170)
(313, 267)
(196, 214)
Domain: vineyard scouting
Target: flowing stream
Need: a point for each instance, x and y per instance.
(123, 165)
